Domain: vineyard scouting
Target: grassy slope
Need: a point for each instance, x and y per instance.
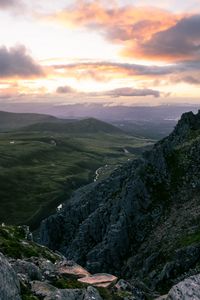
(36, 175)
(12, 121)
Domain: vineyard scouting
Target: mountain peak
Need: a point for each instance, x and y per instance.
(186, 128)
(189, 119)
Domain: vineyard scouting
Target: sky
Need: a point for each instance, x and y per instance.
(116, 51)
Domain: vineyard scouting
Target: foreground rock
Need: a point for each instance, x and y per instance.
(99, 280)
(189, 289)
(59, 279)
(9, 283)
(48, 292)
(29, 269)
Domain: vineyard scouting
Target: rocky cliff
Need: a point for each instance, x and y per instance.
(142, 222)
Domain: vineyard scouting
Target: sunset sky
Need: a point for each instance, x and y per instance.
(126, 51)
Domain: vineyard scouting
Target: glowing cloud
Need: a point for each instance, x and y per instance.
(129, 26)
(177, 43)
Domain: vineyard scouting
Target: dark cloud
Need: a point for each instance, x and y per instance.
(191, 80)
(7, 3)
(4, 4)
(181, 41)
(65, 90)
(130, 92)
(188, 79)
(16, 62)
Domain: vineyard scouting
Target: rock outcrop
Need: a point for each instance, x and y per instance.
(9, 283)
(141, 222)
(30, 275)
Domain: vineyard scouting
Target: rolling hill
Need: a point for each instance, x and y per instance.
(42, 164)
(12, 121)
(89, 125)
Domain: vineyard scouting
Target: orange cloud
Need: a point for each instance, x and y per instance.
(180, 42)
(129, 26)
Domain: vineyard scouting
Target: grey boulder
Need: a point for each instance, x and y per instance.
(49, 292)
(9, 283)
(188, 289)
(27, 268)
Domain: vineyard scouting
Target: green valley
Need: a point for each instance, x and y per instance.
(42, 164)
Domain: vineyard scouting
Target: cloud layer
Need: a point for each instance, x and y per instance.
(130, 92)
(120, 92)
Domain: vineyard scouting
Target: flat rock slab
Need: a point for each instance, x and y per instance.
(72, 270)
(99, 280)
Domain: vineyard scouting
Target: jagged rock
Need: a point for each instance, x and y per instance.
(71, 269)
(131, 290)
(9, 283)
(123, 285)
(27, 268)
(189, 289)
(99, 280)
(92, 294)
(48, 292)
(48, 269)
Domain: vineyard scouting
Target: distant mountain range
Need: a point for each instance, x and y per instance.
(153, 122)
(106, 112)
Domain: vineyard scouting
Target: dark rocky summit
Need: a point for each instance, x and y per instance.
(142, 223)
